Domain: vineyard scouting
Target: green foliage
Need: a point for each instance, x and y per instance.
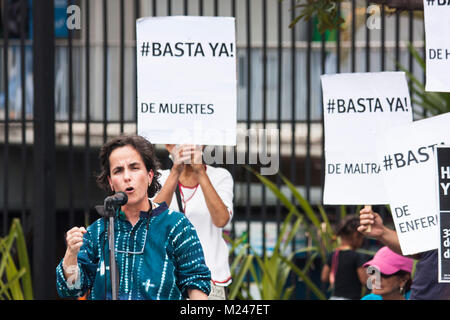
(15, 280)
(325, 10)
(433, 102)
(272, 275)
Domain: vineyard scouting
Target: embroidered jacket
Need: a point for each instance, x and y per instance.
(160, 257)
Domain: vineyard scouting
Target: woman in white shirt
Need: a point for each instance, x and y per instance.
(206, 198)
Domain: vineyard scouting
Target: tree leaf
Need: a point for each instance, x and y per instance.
(305, 279)
(240, 277)
(23, 260)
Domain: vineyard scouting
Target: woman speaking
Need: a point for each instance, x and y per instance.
(158, 253)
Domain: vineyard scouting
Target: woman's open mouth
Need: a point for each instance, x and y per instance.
(129, 190)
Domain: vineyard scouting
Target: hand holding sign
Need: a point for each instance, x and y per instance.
(371, 224)
(197, 158)
(368, 208)
(180, 155)
(185, 154)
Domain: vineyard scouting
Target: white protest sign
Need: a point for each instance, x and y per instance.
(186, 75)
(437, 40)
(406, 152)
(356, 107)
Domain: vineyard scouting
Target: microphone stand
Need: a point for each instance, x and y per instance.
(109, 210)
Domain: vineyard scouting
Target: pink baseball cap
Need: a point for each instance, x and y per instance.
(389, 262)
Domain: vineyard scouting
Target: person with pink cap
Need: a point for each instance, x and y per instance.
(425, 283)
(391, 276)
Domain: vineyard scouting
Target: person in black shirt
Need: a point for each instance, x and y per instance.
(344, 266)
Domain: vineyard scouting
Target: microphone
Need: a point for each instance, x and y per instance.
(118, 199)
(107, 210)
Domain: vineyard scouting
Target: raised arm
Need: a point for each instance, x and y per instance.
(217, 209)
(378, 230)
(179, 156)
(74, 274)
(74, 240)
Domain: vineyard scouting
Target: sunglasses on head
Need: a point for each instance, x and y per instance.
(383, 275)
(398, 273)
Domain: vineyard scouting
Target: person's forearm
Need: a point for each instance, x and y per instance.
(325, 274)
(390, 239)
(195, 294)
(217, 209)
(70, 263)
(169, 187)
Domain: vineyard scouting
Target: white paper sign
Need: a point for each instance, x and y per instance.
(437, 40)
(406, 152)
(186, 73)
(356, 107)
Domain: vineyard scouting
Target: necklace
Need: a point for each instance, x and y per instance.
(182, 195)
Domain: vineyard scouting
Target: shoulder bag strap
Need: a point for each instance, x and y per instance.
(178, 194)
(334, 267)
(177, 190)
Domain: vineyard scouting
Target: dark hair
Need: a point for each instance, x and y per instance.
(348, 226)
(401, 273)
(408, 283)
(145, 149)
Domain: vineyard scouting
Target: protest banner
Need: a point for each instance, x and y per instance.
(186, 75)
(357, 106)
(437, 41)
(442, 174)
(406, 152)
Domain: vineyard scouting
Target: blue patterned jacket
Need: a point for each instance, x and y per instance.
(160, 257)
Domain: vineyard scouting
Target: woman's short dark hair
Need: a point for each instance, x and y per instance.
(408, 283)
(348, 225)
(145, 149)
(401, 274)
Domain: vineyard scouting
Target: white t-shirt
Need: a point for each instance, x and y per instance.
(214, 247)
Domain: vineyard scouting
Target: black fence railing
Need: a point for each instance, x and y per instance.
(84, 91)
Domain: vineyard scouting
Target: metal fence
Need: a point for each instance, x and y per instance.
(65, 92)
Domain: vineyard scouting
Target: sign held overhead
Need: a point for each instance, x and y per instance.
(187, 83)
(407, 153)
(437, 24)
(357, 106)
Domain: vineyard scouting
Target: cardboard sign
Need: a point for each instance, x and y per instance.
(407, 154)
(443, 196)
(437, 25)
(186, 73)
(357, 106)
